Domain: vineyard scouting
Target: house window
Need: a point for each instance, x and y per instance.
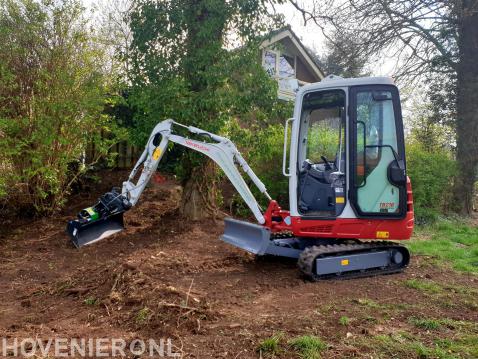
(282, 68)
(286, 66)
(270, 62)
(279, 65)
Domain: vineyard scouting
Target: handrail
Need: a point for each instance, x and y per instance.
(284, 156)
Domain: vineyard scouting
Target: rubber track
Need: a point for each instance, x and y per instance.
(309, 255)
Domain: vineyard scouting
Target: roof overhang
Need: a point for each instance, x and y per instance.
(304, 54)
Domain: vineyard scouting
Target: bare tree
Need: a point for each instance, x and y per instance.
(114, 18)
(424, 37)
(343, 56)
(417, 33)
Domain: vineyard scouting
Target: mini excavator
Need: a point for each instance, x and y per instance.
(349, 193)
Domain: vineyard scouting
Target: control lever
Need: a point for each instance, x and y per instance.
(327, 163)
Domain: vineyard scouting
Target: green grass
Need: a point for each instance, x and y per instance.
(142, 315)
(426, 286)
(368, 303)
(308, 346)
(425, 323)
(401, 345)
(91, 301)
(344, 321)
(449, 241)
(444, 339)
(270, 346)
(460, 325)
(449, 295)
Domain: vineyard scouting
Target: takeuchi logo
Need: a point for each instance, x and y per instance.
(196, 145)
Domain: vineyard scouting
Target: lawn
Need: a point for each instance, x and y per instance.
(452, 242)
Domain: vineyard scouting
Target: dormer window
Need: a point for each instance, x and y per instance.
(286, 66)
(288, 62)
(279, 65)
(270, 62)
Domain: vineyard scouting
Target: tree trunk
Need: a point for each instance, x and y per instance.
(198, 199)
(467, 106)
(206, 22)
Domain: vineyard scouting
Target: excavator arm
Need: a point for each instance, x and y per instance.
(222, 151)
(106, 217)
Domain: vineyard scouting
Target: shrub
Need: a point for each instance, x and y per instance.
(431, 174)
(52, 96)
(263, 148)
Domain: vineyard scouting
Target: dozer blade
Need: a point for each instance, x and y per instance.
(251, 237)
(82, 234)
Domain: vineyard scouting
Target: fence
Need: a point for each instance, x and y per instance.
(126, 158)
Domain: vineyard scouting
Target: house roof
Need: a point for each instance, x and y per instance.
(286, 32)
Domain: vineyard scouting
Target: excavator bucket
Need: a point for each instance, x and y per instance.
(82, 234)
(99, 221)
(251, 237)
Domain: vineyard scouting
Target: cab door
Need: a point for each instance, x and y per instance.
(377, 152)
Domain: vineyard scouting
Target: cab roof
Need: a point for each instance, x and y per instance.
(333, 81)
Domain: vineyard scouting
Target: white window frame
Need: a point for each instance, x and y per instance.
(277, 55)
(283, 95)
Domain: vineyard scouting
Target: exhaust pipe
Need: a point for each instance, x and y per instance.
(100, 221)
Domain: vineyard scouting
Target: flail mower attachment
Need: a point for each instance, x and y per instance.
(100, 221)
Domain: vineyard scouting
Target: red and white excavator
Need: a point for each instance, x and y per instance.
(349, 193)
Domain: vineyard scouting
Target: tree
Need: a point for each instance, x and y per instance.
(425, 37)
(343, 57)
(52, 96)
(431, 135)
(114, 17)
(181, 68)
(467, 103)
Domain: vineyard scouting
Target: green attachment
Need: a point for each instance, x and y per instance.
(90, 213)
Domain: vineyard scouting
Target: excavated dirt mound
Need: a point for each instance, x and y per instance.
(165, 277)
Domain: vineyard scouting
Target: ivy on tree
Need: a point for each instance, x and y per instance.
(183, 66)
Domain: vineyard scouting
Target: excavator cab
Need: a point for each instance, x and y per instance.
(349, 140)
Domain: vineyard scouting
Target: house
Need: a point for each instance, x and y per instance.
(286, 59)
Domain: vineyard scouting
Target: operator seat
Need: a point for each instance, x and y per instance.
(316, 194)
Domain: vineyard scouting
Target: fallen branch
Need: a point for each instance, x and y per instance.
(180, 306)
(77, 290)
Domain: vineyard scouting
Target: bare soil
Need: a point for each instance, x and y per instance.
(166, 277)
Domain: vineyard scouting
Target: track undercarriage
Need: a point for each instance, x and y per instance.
(320, 258)
(344, 261)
